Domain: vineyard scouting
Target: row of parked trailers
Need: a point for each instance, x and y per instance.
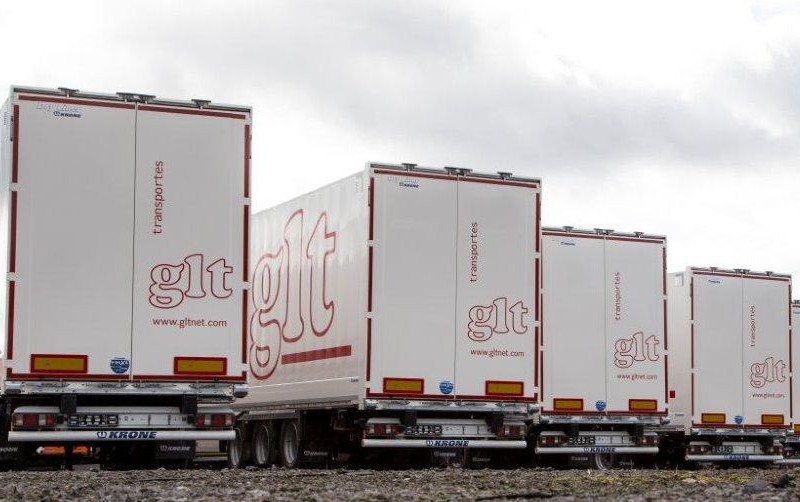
(400, 309)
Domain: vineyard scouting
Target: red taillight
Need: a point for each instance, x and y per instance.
(511, 431)
(698, 449)
(550, 440)
(213, 420)
(647, 440)
(383, 429)
(34, 420)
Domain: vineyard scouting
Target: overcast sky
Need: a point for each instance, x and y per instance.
(678, 118)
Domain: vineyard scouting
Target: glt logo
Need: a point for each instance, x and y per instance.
(289, 292)
(767, 372)
(485, 321)
(627, 351)
(171, 284)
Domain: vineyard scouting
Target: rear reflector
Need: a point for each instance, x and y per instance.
(568, 404)
(772, 419)
(712, 418)
(403, 385)
(58, 363)
(498, 388)
(642, 405)
(200, 366)
(214, 420)
(796, 429)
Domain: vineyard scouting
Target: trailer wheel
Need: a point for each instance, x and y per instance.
(263, 444)
(238, 450)
(290, 444)
(602, 462)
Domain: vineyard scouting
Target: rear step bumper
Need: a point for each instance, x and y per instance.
(576, 450)
(488, 444)
(734, 458)
(118, 435)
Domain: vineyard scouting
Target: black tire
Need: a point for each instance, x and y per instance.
(289, 446)
(263, 446)
(602, 461)
(238, 450)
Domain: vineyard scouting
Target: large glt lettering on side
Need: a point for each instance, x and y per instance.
(289, 292)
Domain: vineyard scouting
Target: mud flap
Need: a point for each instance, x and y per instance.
(179, 450)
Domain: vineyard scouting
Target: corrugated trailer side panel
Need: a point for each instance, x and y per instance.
(308, 299)
(71, 245)
(192, 214)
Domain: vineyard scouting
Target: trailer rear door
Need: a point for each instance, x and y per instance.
(635, 324)
(411, 340)
(71, 247)
(574, 320)
(191, 228)
(765, 344)
(717, 308)
(795, 358)
(496, 299)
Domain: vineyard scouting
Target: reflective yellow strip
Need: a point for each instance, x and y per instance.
(568, 404)
(200, 366)
(65, 364)
(642, 405)
(797, 428)
(504, 388)
(712, 418)
(414, 385)
(772, 419)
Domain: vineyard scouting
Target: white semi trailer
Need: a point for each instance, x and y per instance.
(604, 345)
(124, 236)
(393, 309)
(791, 451)
(730, 377)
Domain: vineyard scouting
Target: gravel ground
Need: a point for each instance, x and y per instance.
(432, 484)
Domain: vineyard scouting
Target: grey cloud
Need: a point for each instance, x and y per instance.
(414, 72)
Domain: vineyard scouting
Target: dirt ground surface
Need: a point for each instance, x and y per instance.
(429, 484)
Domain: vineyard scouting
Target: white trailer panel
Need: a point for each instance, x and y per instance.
(110, 200)
(71, 244)
(189, 261)
(308, 299)
(394, 309)
(795, 358)
(730, 357)
(604, 304)
(496, 269)
(414, 285)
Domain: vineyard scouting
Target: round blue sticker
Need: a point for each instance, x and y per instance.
(120, 365)
(446, 387)
(738, 419)
(600, 405)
